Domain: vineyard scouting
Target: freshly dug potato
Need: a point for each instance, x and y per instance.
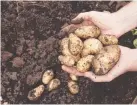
(73, 77)
(64, 46)
(66, 60)
(65, 50)
(73, 87)
(91, 46)
(53, 84)
(47, 76)
(108, 39)
(88, 31)
(34, 94)
(106, 59)
(84, 63)
(75, 44)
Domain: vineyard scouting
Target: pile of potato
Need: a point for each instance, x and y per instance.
(87, 48)
(47, 79)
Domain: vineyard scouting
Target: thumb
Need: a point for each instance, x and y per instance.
(81, 17)
(115, 72)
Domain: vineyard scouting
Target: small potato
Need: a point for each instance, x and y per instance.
(84, 63)
(73, 87)
(66, 60)
(106, 59)
(53, 84)
(91, 46)
(65, 50)
(47, 76)
(75, 44)
(88, 31)
(34, 94)
(73, 77)
(108, 39)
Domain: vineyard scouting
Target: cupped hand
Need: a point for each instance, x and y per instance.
(124, 64)
(107, 22)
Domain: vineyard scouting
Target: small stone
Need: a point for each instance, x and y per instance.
(12, 75)
(33, 78)
(6, 55)
(19, 50)
(18, 62)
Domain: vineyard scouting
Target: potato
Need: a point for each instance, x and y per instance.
(47, 76)
(108, 39)
(73, 87)
(88, 31)
(73, 77)
(36, 93)
(64, 46)
(75, 44)
(65, 50)
(106, 59)
(53, 84)
(66, 60)
(91, 46)
(84, 63)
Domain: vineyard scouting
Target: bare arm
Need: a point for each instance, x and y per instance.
(127, 17)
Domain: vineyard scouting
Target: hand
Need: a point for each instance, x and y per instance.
(124, 64)
(107, 22)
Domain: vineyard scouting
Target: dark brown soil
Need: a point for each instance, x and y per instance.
(29, 32)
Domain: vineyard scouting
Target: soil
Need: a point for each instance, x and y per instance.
(29, 45)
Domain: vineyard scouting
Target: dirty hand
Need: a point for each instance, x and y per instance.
(106, 21)
(126, 63)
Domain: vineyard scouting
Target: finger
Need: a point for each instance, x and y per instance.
(71, 70)
(96, 78)
(67, 30)
(106, 11)
(81, 17)
(117, 70)
(71, 28)
(77, 21)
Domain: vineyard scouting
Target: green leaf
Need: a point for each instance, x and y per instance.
(134, 31)
(135, 43)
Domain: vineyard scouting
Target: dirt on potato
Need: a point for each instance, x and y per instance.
(29, 32)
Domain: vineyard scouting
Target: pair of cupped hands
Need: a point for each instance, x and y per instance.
(108, 24)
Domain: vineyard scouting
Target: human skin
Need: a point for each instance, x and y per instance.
(117, 24)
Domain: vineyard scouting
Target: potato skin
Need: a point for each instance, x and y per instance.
(108, 39)
(64, 46)
(65, 50)
(84, 63)
(91, 46)
(47, 76)
(73, 77)
(88, 31)
(53, 84)
(36, 93)
(75, 44)
(66, 60)
(106, 59)
(73, 87)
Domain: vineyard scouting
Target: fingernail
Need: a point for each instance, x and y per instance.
(77, 21)
(63, 67)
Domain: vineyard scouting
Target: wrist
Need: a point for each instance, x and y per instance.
(133, 60)
(120, 25)
(126, 17)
